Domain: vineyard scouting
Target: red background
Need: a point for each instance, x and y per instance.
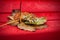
(48, 8)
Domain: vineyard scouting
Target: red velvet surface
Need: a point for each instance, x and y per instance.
(50, 10)
(8, 6)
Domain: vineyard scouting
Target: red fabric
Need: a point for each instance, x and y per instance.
(52, 32)
(40, 6)
(8, 6)
(36, 6)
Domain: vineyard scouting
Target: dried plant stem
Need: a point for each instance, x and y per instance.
(8, 23)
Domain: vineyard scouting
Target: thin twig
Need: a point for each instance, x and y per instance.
(8, 23)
